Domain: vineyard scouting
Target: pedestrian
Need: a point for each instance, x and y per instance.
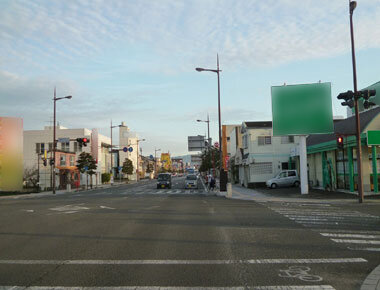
(212, 183)
(206, 180)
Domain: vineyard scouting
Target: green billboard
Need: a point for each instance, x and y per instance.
(302, 109)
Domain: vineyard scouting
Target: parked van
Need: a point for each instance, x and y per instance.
(284, 178)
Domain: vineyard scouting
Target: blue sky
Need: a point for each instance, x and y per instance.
(134, 61)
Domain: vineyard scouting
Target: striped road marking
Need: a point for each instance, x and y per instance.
(356, 241)
(181, 262)
(302, 287)
(357, 236)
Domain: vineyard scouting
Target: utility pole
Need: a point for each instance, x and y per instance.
(357, 118)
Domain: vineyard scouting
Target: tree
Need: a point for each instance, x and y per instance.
(210, 159)
(31, 177)
(149, 168)
(127, 167)
(86, 164)
(106, 177)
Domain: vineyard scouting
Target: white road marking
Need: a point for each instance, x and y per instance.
(356, 241)
(350, 236)
(106, 207)
(69, 207)
(178, 191)
(28, 210)
(287, 287)
(182, 262)
(365, 249)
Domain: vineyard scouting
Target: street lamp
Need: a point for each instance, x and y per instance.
(217, 71)
(54, 135)
(358, 141)
(208, 129)
(155, 161)
(112, 149)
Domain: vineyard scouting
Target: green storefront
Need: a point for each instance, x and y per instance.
(332, 168)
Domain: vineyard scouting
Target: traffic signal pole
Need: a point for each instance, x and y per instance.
(358, 140)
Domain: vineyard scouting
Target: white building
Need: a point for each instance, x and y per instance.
(262, 156)
(129, 139)
(36, 141)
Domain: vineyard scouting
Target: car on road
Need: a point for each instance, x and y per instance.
(191, 181)
(284, 178)
(164, 180)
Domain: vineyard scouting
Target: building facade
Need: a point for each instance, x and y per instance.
(129, 139)
(332, 168)
(262, 156)
(37, 143)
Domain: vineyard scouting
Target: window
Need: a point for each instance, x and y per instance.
(264, 140)
(38, 148)
(50, 146)
(72, 161)
(65, 146)
(77, 148)
(261, 168)
(287, 139)
(291, 173)
(42, 147)
(228, 138)
(63, 160)
(282, 174)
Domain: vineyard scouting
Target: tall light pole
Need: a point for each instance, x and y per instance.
(208, 129)
(217, 71)
(54, 135)
(358, 140)
(155, 161)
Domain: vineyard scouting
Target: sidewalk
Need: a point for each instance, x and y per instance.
(59, 192)
(292, 195)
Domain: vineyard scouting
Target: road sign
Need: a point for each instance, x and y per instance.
(63, 140)
(125, 149)
(196, 143)
(130, 149)
(151, 156)
(216, 144)
(119, 168)
(373, 138)
(302, 109)
(86, 168)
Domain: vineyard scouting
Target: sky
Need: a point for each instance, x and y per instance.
(134, 61)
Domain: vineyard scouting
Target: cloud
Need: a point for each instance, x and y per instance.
(245, 33)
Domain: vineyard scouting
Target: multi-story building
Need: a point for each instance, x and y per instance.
(36, 142)
(129, 139)
(262, 155)
(227, 132)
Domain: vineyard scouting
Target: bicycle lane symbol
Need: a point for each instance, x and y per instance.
(300, 272)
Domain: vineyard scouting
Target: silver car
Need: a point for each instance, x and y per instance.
(191, 181)
(284, 178)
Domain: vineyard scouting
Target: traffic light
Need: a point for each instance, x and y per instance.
(366, 95)
(348, 98)
(339, 142)
(83, 141)
(44, 162)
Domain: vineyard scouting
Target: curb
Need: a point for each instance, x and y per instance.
(372, 282)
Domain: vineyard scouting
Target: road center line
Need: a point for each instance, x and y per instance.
(182, 262)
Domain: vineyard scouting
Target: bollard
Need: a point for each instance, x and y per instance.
(229, 190)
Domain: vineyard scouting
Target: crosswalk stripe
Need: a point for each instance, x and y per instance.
(350, 236)
(371, 242)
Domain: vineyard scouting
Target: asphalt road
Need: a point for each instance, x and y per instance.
(140, 236)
